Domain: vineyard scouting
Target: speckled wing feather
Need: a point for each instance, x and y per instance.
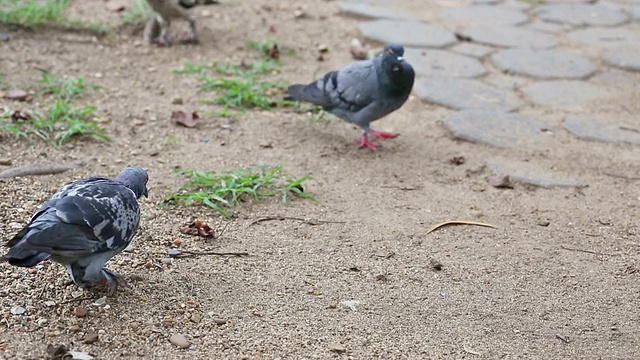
(86, 217)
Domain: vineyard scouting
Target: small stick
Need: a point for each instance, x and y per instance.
(587, 251)
(621, 176)
(196, 253)
(38, 169)
(459, 222)
(306, 221)
(563, 338)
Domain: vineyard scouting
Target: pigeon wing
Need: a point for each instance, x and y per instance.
(95, 217)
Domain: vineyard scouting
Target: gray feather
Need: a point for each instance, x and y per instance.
(83, 225)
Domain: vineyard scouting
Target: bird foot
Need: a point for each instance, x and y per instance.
(189, 39)
(364, 143)
(379, 135)
(111, 282)
(161, 41)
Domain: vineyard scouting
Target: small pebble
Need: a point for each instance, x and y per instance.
(544, 223)
(6, 162)
(50, 303)
(18, 95)
(41, 322)
(219, 321)
(177, 101)
(80, 311)
(18, 310)
(167, 261)
(180, 341)
(337, 348)
(74, 328)
(174, 253)
(101, 301)
(90, 338)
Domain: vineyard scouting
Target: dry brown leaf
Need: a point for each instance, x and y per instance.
(273, 52)
(20, 116)
(184, 119)
(198, 228)
(459, 222)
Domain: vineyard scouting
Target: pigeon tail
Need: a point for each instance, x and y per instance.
(24, 258)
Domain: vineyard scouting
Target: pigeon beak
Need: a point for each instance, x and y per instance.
(146, 192)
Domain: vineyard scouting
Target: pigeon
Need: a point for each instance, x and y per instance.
(156, 29)
(82, 226)
(363, 92)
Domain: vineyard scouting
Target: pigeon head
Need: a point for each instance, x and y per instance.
(135, 179)
(398, 73)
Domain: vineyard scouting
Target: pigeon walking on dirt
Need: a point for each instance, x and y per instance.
(363, 92)
(156, 29)
(82, 226)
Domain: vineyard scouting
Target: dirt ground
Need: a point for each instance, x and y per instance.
(557, 279)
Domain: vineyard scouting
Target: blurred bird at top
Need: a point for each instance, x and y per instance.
(363, 92)
(156, 29)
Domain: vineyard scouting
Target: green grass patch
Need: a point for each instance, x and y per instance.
(223, 190)
(60, 121)
(32, 14)
(242, 87)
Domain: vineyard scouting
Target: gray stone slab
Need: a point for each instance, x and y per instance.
(471, 49)
(547, 27)
(605, 37)
(532, 174)
(495, 128)
(544, 64)
(432, 62)
(508, 36)
(595, 130)
(565, 94)
(371, 11)
(484, 15)
(461, 94)
(408, 33)
(635, 12)
(518, 4)
(582, 14)
(628, 59)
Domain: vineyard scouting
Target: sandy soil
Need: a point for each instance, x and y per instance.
(557, 279)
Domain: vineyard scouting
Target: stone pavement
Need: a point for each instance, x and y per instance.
(493, 59)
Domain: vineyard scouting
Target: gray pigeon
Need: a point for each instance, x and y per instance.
(156, 29)
(82, 226)
(363, 92)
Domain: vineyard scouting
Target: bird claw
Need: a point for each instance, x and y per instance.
(111, 282)
(189, 39)
(379, 135)
(364, 143)
(161, 41)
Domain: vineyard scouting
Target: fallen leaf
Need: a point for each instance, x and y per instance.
(273, 52)
(20, 116)
(184, 119)
(459, 222)
(198, 228)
